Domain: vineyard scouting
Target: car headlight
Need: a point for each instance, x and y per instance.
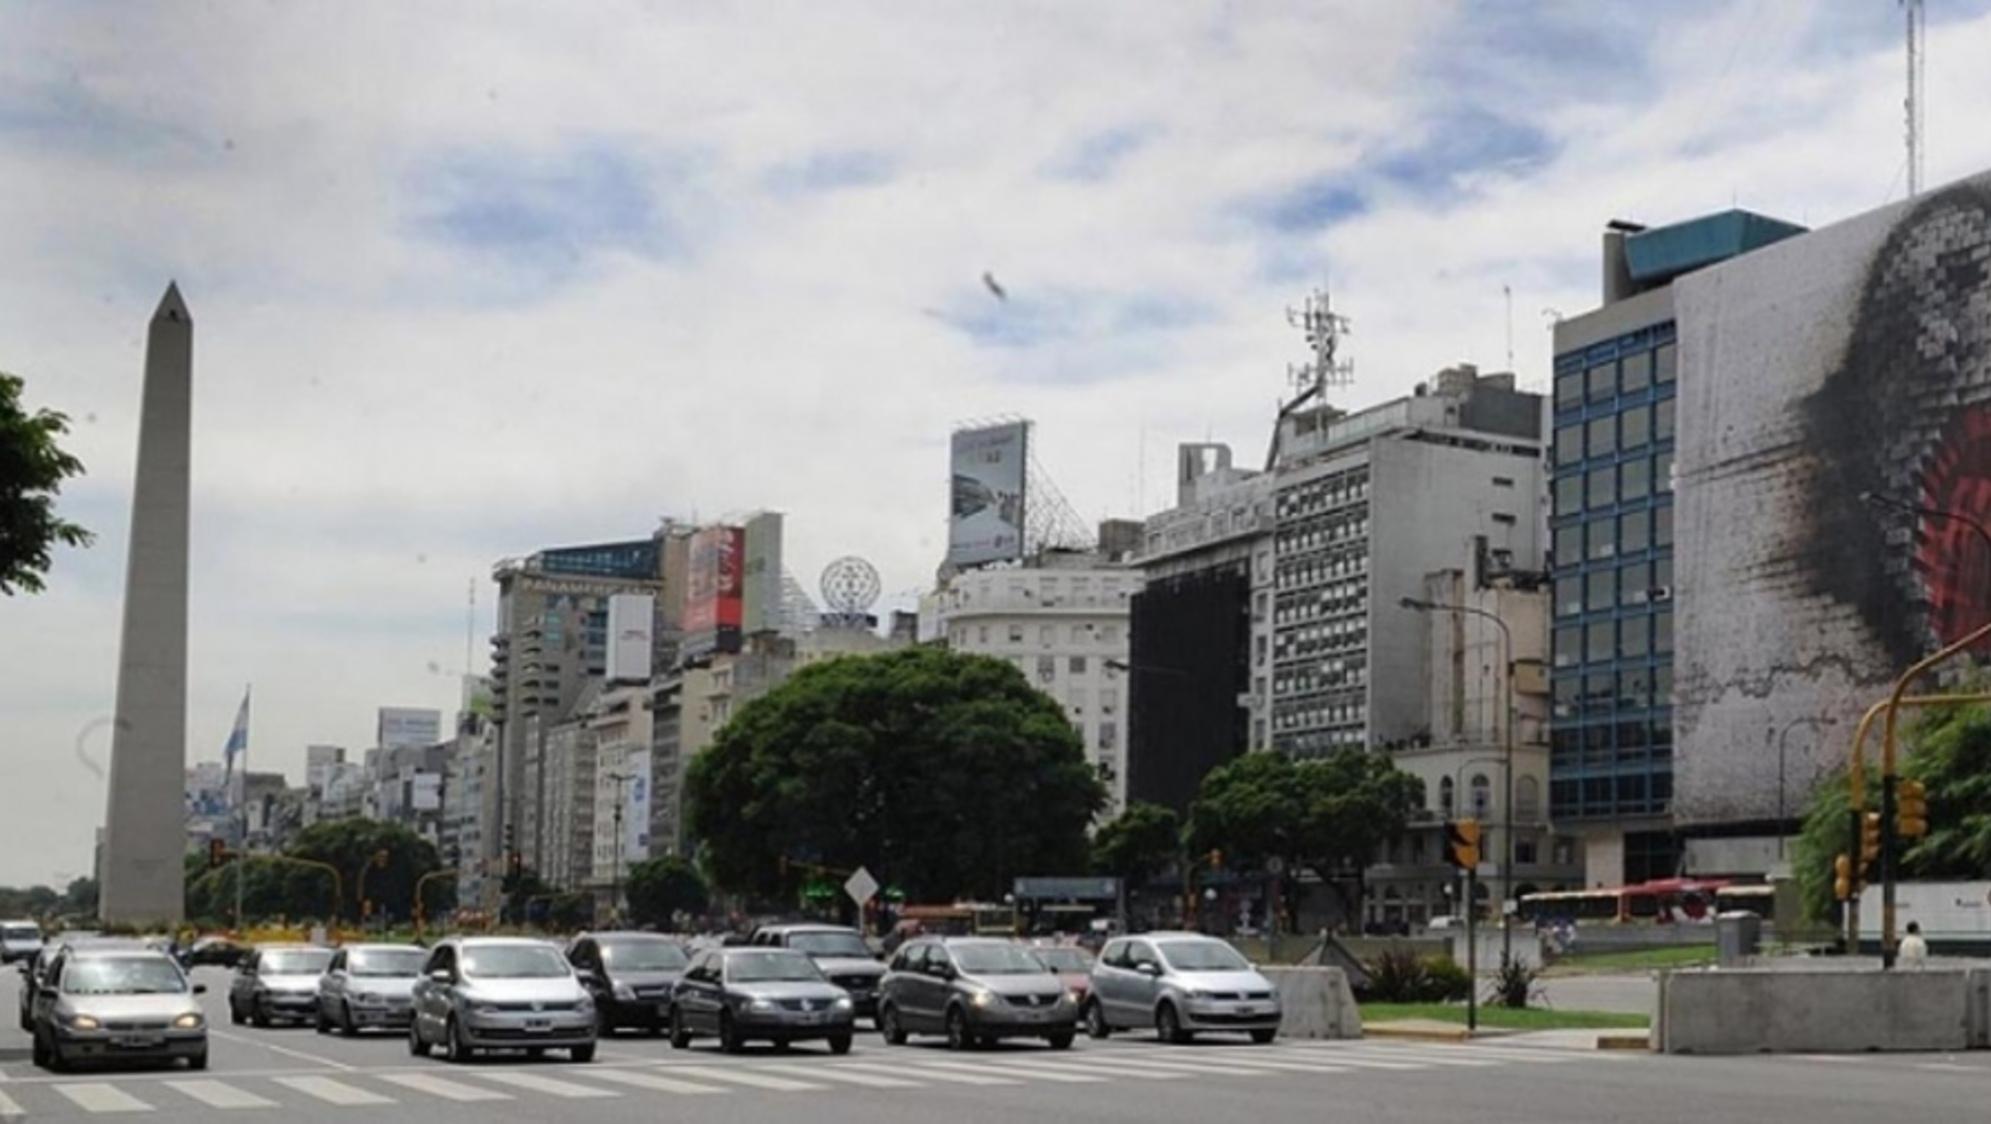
(982, 998)
(585, 1004)
(624, 992)
(759, 1004)
(842, 1003)
(484, 1008)
(84, 1022)
(188, 1021)
(1074, 996)
(1198, 993)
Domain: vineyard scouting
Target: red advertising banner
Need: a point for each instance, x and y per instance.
(714, 587)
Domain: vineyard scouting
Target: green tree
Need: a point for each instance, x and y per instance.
(32, 469)
(1138, 844)
(944, 774)
(663, 887)
(391, 856)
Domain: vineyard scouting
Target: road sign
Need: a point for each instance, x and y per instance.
(861, 886)
(1275, 865)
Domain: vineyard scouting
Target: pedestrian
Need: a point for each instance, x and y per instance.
(1914, 951)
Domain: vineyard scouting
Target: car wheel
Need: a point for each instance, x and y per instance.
(958, 1037)
(729, 1035)
(582, 1055)
(1264, 1037)
(321, 1023)
(1168, 1025)
(347, 1026)
(235, 1015)
(38, 1051)
(604, 1023)
(680, 1033)
(889, 1026)
(416, 1047)
(1095, 1021)
(1060, 1041)
(459, 1050)
(259, 1016)
(839, 1043)
(197, 1061)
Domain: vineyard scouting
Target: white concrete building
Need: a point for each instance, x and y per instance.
(1063, 621)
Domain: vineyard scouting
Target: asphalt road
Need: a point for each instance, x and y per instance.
(306, 1078)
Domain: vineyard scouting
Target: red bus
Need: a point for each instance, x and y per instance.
(1661, 901)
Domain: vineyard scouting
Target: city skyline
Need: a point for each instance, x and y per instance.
(434, 295)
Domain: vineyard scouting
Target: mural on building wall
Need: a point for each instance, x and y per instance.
(1850, 362)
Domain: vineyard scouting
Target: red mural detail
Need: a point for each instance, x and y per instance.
(1954, 562)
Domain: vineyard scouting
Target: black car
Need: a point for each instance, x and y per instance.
(841, 953)
(630, 976)
(771, 994)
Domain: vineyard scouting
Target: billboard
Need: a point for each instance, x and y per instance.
(761, 574)
(985, 507)
(398, 726)
(636, 815)
(631, 621)
(1854, 360)
(712, 596)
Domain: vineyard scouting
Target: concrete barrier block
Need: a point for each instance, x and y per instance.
(1317, 1002)
(1721, 1011)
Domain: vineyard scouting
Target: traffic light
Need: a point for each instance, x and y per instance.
(1462, 844)
(1911, 810)
(1869, 839)
(1216, 858)
(217, 852)
(1842, 876)
(514, 865)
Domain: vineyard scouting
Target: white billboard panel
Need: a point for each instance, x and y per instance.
(986, 500)
(630, 621)
(425, 792)
(405, 726)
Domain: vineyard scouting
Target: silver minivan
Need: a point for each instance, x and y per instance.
(501, 993)
(1180, 984)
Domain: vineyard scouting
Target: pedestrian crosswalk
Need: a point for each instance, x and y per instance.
(880, 1069)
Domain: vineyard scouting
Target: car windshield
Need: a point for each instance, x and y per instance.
(387, 962)
(123, 975)
(996, 960)
(765, 967)
(1065, 959)
(514, 962)
(295, 962)
(20, 933)
(643, 956)
(1202, 956)
(829, 944)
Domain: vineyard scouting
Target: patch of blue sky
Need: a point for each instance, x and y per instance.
(1098, 155)
(832, 171)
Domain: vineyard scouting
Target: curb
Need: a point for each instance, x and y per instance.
(1417, 1034)
(1624, 1042)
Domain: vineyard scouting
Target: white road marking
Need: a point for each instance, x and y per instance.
(839, 1073)
(995, 1070)
(1241, 1067)
(649, 1080)
(1952, 1067)
(548, 1085)
(931, 1074)
(1182, 1063)
(443, 1087)
(1491, 1053)
(284, 1050)
(745, 1077)
(96, 1096)
(332, 1092)
(8, 1107)
(1080, 1064)
(220, 1094)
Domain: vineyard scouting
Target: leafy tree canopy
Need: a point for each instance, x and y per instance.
(392, 858)
(1139, 843)
(660, 888)
(32, 469)
(944, 774)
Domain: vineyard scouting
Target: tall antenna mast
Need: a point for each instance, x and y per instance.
(1917, 50)
(470, 631)
(1323, 328)
(1507, 294)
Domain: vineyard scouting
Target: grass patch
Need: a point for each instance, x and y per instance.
(1635, 960)
(1506, 1018)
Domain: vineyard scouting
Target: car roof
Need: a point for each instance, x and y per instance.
(521, 942)
(118, 953)
(951, 941)
(292, 946)
(627, 935)
(805, 927)
(385, 946)
(756, 950)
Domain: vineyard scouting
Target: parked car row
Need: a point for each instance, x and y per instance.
(103, 997)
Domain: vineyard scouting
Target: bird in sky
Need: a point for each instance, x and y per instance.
(988, 279)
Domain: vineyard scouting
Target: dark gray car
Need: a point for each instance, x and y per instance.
(277, 983)
(772, 994)
(974, 990)
(840, 952)
(630, 975)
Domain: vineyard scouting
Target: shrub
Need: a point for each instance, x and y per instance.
(1401, 976)
(1515, 984)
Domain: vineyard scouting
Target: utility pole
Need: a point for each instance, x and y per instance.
(1918, 43)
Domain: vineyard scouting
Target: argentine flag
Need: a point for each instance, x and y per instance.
(238, 738)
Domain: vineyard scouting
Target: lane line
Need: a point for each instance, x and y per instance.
(929, 1075)
(746, 1077)
(97, 1096)
(1240, 1068)
(1212, 1068)
(220, 1094)
(332, 1092)
(993, 1070)
(274, 1048)
(1951, 1067)
(651, 1081)
(548, 1085)
(443, 1087)
(9, 1107)
(839, 1073)
(1106, 1069)
(1477, 1052)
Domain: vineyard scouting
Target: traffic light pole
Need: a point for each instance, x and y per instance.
(1887, 847)
(1853, 900)
(1472, 948)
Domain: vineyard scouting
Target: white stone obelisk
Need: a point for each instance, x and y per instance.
(145, 833)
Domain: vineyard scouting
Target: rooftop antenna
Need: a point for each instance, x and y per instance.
(470, 630)
(1323, 328)
(1912, 103)
(1507, 294)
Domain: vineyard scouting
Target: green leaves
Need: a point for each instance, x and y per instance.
(1138, 843)
(32, 469)
(1330, 813)
(660, 888)
(945, 774)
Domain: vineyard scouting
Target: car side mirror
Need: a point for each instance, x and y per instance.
(200, 989)
(440, 975)
(943, 971)
(1148, 969)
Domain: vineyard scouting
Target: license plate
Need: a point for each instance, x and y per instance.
(1247, 1009)
(539, 1024)
(663, 1010)
(137, 1041)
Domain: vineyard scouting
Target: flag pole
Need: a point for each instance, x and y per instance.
(241, 791)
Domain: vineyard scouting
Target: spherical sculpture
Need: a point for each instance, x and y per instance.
(850, 586)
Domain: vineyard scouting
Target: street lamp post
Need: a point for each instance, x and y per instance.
(1507, 804)
(615, 870)
(1816, 721)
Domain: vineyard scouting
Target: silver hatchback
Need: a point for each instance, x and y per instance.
(115, 1005)
(501, 993)
(1180, 984)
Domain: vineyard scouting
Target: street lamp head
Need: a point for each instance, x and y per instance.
(1413, 603)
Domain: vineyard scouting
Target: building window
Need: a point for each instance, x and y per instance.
(1568, 548)
(1635, 687)
(1015, 634)
(1636, 372)
(1634, 531)
(1569, 391)
(1600, 589)
(1108, 733)
(1047, 668)
(1568, 596)
(1662, 473)
(1445, 796)
(1566, 691)
(1110, 633)
(1504, 519)
(1077, 665)
(1258, 646)
(1527, 806)
(1568, 644)
(1524, 852)
(1109, 699)
(1047, 634)
(1603, 535)
(1662, 419)
(1663, 361)
(1633, 583)
(1482, 795)
(1601, 484)
(1601, 382)
(1635, 479)
(982, 634)
(1078, 697)
(1503, 482)
(1569, 494)
(1662, 631)
(1662, 526)
(1633, 636)
(1569, 444)
(1637, 426)
(1599, 642)
(1602, 439)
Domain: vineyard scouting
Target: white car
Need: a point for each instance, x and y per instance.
(19, 940)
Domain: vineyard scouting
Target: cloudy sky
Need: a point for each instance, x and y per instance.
(471, 279)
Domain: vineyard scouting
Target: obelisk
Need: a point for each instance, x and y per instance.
(145, 835)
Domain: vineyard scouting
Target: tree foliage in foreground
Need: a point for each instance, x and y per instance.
(32, 469)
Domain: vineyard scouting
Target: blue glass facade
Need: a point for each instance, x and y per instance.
(636, 559)
(1611, 647)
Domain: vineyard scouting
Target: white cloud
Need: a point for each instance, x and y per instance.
(646, 310)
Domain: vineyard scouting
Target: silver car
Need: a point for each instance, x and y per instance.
(277, 983)
(1180, 984)
(19, 940)
(493, 993)
(117, 1004)
(369, 985)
